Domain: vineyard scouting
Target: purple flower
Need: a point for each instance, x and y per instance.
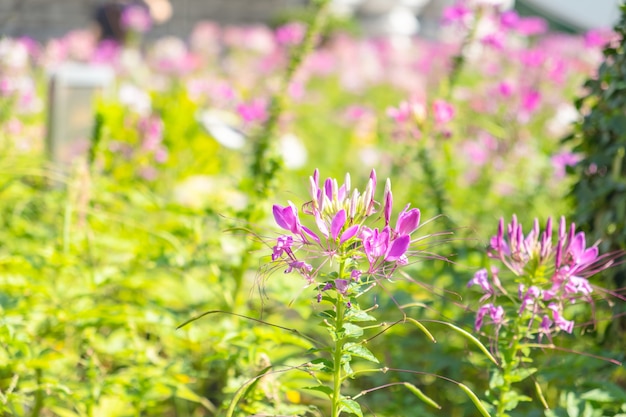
(283, 246)
(381, 247)
(342, 285)
(342, 215)
(408, 221)
(559, 320)
(496, 313)
(481, 278)
(552, 267)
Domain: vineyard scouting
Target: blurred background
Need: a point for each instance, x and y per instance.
(43, 19)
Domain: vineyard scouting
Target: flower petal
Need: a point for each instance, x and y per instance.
(398, 248)
(408, 221)
(349, 233)
(337, 224)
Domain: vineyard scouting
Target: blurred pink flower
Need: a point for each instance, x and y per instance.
(532, 57)
(136, 19)
(494, 39)
(509, 19)
(291, 33)
(506, 89)
(253, 111)
(444, 111)
(562, 160)
(457, 13)
(531, 99)
(151, 129)
(531, 26)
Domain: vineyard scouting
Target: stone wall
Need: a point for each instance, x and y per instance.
(42, 19)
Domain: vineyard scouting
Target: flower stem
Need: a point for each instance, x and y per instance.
(337, 354)
(340, 338)
(510, 361)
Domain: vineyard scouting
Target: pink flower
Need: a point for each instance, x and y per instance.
(136, 19)
(457, 13)
(444, 112)
(253, 111)
(531, 99)
(531, 26)
(509, 19)
(291, 33)
(562, 160)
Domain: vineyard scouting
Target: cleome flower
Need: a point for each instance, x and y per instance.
(551, 272)
(345, 229)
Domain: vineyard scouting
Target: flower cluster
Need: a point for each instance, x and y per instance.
(342, 218)
(551, 272)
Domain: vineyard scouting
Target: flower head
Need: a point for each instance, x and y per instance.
(551, 270)
(345, 230)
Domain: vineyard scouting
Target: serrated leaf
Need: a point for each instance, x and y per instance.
(351, 406)
(352, 330)
(354, 315)
(321, 364)
(357, 349)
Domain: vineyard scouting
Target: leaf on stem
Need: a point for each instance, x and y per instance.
(352, 330)
(357, 349)
(322, 388)
(355, 315)
(351, 406)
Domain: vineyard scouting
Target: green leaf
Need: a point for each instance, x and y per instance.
(352, 330)
(63, 412)
(598, 395)
(511, 400)
(350, 406)
(357, 349)
(419, 394)
(322, 364)
(321, 388)
(183, 392)
(521, 374)
(355, 315)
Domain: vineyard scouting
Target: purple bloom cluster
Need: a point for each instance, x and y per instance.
(342, 217)
(552, 272)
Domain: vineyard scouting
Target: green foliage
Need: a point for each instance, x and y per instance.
(600, 191)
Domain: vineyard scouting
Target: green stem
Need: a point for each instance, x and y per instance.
(435, 185)
(39, 398)
(510, 362)
(264, 167)
(340, 340)
(458, 61)
(337, 355)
